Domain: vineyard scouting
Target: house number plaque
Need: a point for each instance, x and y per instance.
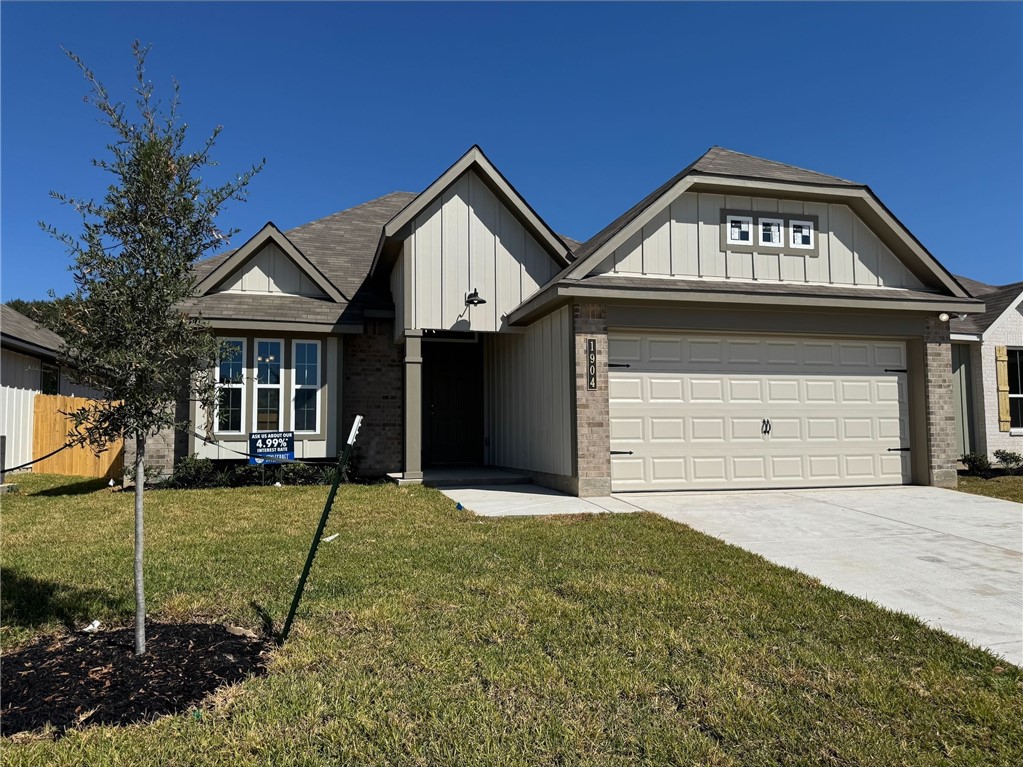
(591, 363)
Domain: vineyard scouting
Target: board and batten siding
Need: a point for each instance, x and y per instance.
(529, 396)
(270, 271)
(684, 240)
(467, 240)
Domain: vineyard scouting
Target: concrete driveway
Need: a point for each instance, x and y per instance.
(951, 559)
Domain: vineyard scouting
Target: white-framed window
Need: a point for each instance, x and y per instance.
(306, 358)
(269, 385)
(739, 230)
(229, 413)
(1014, 364)
(801, 236)
(771, 232)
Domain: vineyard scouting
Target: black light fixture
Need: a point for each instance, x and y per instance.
(473, 299)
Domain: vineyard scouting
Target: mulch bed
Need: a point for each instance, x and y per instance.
(84, 679)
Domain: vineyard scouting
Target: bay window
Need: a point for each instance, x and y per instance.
(230, 401)
(267, 404)
(306, 386)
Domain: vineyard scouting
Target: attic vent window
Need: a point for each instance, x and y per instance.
(802, 234)
(740, 230)
(771, 232)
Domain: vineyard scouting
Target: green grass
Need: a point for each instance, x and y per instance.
(1008, 487)
(431, 637)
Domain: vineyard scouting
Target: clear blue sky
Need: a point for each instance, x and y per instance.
(585, 108)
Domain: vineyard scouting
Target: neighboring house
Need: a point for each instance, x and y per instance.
(987, 367)
(749, 324)
(28, 366)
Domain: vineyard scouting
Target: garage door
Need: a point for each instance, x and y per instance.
(701, 412)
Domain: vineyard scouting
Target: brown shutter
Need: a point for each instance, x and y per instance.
(1002, 377)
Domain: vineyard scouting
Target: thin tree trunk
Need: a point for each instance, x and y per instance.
(140, 591)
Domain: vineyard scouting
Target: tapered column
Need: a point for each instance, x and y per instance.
(413, 405)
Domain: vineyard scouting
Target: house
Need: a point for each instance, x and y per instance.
(28, 366)
(987, 371)
(748, 324)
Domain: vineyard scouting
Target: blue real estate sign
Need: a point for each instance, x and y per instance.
(271, 446)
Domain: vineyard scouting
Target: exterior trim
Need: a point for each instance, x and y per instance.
(269, 233)
(474, 159)
(288, 327)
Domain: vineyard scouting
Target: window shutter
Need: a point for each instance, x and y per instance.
(1002, 377)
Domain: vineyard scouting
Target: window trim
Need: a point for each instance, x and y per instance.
(242, 385)
(792, 234)
(761, 220)
(295, 386)
(728, 229)
(256, 385)
(1018, 350)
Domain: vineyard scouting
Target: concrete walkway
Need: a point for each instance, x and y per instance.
(952, 559)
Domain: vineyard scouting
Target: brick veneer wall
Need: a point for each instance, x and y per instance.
(162, 450)
(1007, 332)
(372, 387)
(941, 420)
(593, 431)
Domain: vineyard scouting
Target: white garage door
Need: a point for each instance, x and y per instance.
(713, 412)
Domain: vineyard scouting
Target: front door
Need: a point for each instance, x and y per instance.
(452, 403)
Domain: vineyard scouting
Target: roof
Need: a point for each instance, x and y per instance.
(996, 300)
(716, 161)
(26, 333)
(341, 245)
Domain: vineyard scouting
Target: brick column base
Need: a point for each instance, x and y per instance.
(941, 436)
(593, 430)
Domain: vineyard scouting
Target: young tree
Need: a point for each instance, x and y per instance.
(126, 334)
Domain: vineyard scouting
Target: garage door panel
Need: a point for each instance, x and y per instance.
(692, 410)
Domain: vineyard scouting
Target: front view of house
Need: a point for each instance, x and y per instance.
(749, 324)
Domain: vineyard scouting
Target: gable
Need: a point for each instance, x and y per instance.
(269, 271)
(684, 239)
(467, 239)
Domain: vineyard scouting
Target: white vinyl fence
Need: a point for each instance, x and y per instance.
(17, 410)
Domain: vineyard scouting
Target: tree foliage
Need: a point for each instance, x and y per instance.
(126, 327)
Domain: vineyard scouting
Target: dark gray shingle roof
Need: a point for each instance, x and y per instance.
(716, 161)
(996, 299)
(341, 245)
(17, 327)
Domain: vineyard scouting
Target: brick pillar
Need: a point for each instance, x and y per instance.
(941, 434)
(593, 432)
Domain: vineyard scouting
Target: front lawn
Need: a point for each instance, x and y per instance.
(431, 637)
(1008, 487)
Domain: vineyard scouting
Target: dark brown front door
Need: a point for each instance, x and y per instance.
(452, 403)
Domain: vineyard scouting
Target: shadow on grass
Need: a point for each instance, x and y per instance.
(74, 488)
(266, 621)
(31, 602)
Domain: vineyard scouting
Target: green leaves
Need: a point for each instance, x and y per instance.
(126, 334)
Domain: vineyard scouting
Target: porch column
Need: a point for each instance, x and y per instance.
(592, 428)
(413, 405)
(940, 418)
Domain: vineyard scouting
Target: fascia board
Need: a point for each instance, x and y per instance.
(542, 302)
(1008, 309)
(269, 233)
(965, 337)
(474, 159)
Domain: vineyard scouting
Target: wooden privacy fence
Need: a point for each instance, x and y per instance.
(50, 430)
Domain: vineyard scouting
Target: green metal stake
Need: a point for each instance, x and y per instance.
(342, 463)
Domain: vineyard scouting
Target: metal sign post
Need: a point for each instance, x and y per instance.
(341, 472)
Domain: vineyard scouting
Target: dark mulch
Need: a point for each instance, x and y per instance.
(83, 679)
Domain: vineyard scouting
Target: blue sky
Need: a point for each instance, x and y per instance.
(584, 107)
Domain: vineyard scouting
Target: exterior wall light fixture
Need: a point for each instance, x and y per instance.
(943, 317)
(473, 299)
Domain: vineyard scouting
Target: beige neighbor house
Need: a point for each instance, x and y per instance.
(749, 324)
(987, 371)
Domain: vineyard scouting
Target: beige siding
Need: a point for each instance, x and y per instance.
(529, 386)
(466, 241)
(19, 371)
(270, 271)
(684, 240)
